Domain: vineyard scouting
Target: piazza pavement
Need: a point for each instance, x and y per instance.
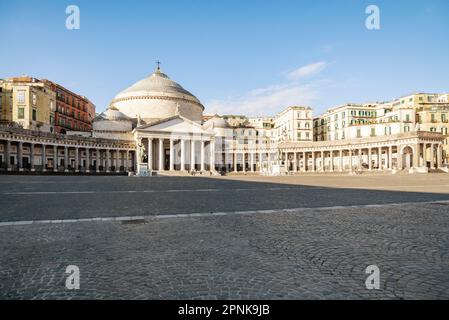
(237, 237)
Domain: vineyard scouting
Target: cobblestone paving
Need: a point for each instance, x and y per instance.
(312, 254)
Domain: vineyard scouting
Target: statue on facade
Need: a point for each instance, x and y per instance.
(142, 153)
(139, 120)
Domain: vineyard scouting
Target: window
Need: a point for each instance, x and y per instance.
(373, 132)
(21, 113)
(359, 133)
(406, 129)
(21, 96)
(407, 118)
(34, 114)
(443, 116)
(34, 99)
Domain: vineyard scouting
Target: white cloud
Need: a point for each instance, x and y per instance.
(270, 100)
(307, 71)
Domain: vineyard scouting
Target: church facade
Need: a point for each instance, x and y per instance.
(156, 126)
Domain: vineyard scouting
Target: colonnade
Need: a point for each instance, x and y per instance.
(365, 158)
(34, 156)
(177, 154)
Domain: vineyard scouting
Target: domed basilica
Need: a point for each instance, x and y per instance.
(165, 122)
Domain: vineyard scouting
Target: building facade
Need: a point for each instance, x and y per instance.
(27, 103)
(416, 112)
(73, 112)
(156, 125)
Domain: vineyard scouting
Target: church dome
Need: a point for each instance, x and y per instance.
(216, 122)
(112, 113)
(158, 97)
(112, 120)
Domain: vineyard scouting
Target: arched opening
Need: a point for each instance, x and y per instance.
(407, 158)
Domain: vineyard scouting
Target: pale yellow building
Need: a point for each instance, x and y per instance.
(415, 112)
(27, 103)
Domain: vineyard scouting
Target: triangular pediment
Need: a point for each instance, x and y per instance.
(175, 124)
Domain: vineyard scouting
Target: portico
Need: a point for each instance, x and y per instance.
(414, 152)
(175, 144)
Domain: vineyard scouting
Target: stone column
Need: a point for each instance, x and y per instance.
(399, 159)
(287, 167)
(359, 165)
(172, 155)
(313, 161)
(106, 160)
(202, 155)
(332, 161)
(212, 155)
(192, 155)
(416, 156)
(161, 155)
(439, 155)
(117, 160)
(252, 161)
(66, 159)
(341, 161)
(235, 161)
(98, 160)
(182, 155)
(32, 158)
(421, 155)
(150, 154)
(44, 158)
(379, 159)
(87, 160)
(432, 156)
(243, 162)
(323, 161)
(126, 162)
(8, 155)
(370, 159)
(295, 162)
(350, 160)
(20, 156)
(77, 160)
(304, 162)
(55, 158)
(390, 157)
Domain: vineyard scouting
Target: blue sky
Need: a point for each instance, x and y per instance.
(245, 57)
